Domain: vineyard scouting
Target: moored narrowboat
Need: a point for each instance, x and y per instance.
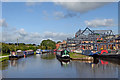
(38, 51)
(16, 55)
(29, 52)
(63, 55)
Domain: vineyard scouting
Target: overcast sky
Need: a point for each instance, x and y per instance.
(32, 22)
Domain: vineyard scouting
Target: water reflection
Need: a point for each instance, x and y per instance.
(64, 64)
(13, 63)
(114, 61)
(95, 60)
(93, 70)
(47, 56)
(4, 65)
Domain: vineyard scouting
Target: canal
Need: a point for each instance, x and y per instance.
(47, 66)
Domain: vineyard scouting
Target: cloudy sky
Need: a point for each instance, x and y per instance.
(32, 22)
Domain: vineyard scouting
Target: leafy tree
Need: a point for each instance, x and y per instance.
(48, 44)
(59, 42)
(33, 48)
(5, 48)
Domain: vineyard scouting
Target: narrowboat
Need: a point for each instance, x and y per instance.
(118, 52)
(87, 52)
(55, 50)
(29, 52)
(63, 55)
(16, 55)
(45, 51)
(38, 51)
(106, 54)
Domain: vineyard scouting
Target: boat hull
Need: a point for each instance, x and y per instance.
(38, 53)
(15, 57)
(66, 58)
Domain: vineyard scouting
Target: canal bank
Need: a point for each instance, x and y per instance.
(4, 57)
(78, 56)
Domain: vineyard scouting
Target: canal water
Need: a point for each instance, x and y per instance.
(47, 66)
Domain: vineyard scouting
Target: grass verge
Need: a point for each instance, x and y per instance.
(77, 55)
(6, 54)
(4, 58)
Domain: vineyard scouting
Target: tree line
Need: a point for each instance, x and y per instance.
(45, 44)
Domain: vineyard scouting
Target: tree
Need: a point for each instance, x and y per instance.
(5, 48)
(48, 44)
(59, 42)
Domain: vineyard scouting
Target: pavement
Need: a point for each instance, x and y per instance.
(3, 56)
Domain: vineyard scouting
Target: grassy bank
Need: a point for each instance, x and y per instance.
(4, 58)
(6, 54)
(77, 55)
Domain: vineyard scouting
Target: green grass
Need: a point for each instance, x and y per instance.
(4, 58)
(5, 54)
(77, 55)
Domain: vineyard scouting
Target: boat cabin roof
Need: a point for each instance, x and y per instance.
(64, 51)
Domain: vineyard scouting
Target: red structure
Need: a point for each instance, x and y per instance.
(104, 51)
(104, 62)
(57, 46)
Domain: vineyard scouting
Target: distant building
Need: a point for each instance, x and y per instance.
(57, 45)
(91, 39)
(117, 41)
(61, 45)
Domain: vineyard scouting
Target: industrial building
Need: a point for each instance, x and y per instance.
(93, 40)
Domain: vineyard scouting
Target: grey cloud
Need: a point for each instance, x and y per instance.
(68, 15)
(60, 15)
(22, 32)
(57, 36)
(81, 7)
(35, 37)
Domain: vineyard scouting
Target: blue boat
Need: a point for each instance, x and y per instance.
(87, 52)
(38, 51)
(29, 52)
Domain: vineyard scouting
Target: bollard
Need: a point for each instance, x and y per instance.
(24, 56)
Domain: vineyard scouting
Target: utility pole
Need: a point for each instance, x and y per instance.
(17, 41)
(16, 46)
